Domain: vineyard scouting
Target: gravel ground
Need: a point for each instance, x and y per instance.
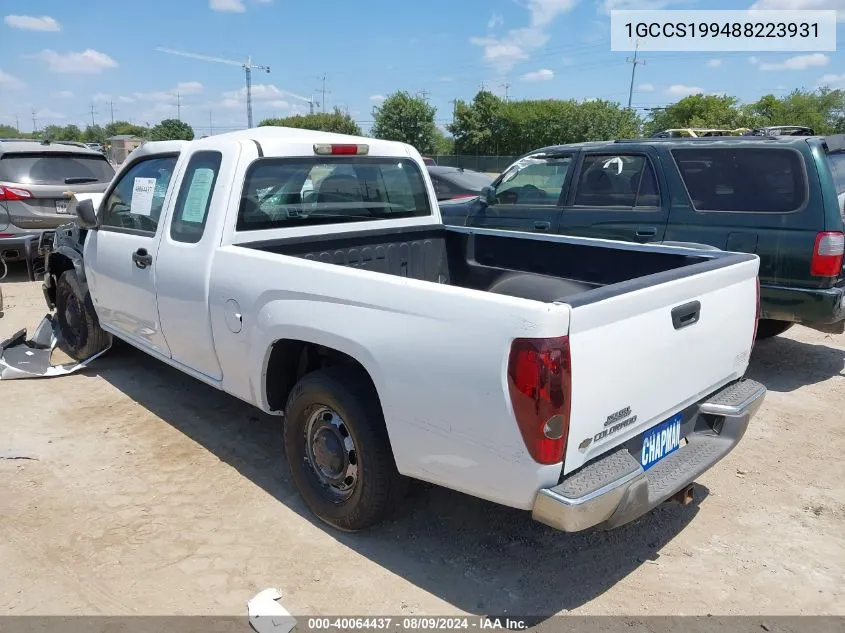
(150, 493)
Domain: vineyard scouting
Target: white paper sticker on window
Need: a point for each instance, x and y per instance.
(143, 190)
(197, 198)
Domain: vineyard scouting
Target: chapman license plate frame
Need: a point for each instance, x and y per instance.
(661, 440)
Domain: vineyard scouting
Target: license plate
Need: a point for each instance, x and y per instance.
(660, 441)
(61, 206)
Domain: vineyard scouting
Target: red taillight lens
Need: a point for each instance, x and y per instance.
(14, 193)
(540, 383)
(7, 235)
(341, 149)
(827, 254)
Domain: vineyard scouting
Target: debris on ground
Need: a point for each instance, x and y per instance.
(22, 358)
(266, 614)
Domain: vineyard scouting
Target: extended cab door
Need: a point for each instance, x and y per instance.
(616, 196)
(528, 195)
(119, 256)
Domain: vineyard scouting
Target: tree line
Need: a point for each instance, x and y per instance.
(490, 125)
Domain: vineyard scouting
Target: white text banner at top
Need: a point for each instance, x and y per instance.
(723, 31)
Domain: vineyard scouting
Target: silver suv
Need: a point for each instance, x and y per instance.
(36, 178)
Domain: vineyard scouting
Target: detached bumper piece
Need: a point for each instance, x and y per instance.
(22, 358)
(614, 489)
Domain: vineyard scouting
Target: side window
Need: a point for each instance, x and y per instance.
(194, 198)
(617, 181)
(743, 179)
(535, 180)
(135, 202)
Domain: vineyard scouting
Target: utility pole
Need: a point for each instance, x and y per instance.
(634, 62)
(179, 106)
(210, 124)
(111, 110)
(454, 103)
(17, 124)
(92, 114)
(483, 85)
(34, 123)
(424, 95)
(506, 86)
(323, 91)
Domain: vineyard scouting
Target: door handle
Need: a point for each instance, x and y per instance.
(686, 315)
(142, 258)
(542, 226)
(646, 231)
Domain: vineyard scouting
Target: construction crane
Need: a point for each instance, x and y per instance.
(311, 103)
(248, 67)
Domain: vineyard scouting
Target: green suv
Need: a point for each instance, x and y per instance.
(780, 198)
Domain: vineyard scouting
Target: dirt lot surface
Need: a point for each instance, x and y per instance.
(150, 493)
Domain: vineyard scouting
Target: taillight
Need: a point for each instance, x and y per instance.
(14, 193)
(756, 314)
(827, 254)
(337, 149)
(540, 383)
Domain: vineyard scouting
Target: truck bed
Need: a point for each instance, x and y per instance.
(481, 259)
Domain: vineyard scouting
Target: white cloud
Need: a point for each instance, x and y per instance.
(260, 92)
(645, 88)
(126, 99)
(188, 87)
(32, 23)
(833, 81)
(495, 21)
(713, 63)
(227, 6)
(544, 74)
(62, 94)
(807, 5)
(680, 90)
(517, 44)
(48, 114)
(88, 62)
(10, 82)
(377, 98)
(101, 97)
(799, 62)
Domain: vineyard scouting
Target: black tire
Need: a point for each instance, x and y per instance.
(379, 487)
(767, 328)
(81, 334)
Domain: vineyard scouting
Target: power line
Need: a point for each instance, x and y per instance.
(506, 86)
(93, 112)
(634, 61)
(323, 91)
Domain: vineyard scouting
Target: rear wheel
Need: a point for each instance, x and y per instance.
(82, 336)
(767, 328)
(338, 451)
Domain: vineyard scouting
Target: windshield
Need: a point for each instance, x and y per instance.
(285, 192)
(54, 168)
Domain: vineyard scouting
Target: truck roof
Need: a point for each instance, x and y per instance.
(272, 137)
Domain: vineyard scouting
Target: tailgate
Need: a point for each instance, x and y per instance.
(634, 365)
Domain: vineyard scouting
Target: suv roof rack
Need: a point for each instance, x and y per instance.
(692, 139)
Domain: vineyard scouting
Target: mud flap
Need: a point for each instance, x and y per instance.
(22, 358)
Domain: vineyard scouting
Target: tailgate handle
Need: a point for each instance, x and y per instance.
(685, 315)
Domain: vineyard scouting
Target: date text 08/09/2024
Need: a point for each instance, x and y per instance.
(415, 623)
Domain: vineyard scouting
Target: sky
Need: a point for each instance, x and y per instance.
(71, 61)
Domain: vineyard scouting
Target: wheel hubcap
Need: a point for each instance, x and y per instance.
(330, 453)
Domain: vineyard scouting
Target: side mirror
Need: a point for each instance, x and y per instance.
(488, 195)
(87, 215)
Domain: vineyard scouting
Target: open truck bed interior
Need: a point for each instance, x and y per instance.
(542, 268)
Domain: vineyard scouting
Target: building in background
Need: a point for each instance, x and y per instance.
(120, 146)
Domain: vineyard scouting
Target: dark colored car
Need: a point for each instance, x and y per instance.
(429, 161)
(780, 198)
(451, 183)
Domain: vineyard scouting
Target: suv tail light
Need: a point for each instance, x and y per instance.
(827, 254)
(14, 193)
(540, 385)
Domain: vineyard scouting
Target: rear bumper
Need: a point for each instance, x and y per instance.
(803, 305)
(615, 489)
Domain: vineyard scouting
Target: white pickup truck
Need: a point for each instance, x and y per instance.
(584, 380)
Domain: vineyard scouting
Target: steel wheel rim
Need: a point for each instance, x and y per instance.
(331, 456)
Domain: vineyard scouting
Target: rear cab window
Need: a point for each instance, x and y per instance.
(743, 179)
(288, 192)
(54, 168)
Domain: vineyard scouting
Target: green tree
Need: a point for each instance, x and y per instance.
(172, 130)
(7, 131)
(125, 127)
(477, 124)
(336, 121)
(405, 118)
(94, 134)
(709, 111)
(443, 144)
(59, 133)
(821, 109)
